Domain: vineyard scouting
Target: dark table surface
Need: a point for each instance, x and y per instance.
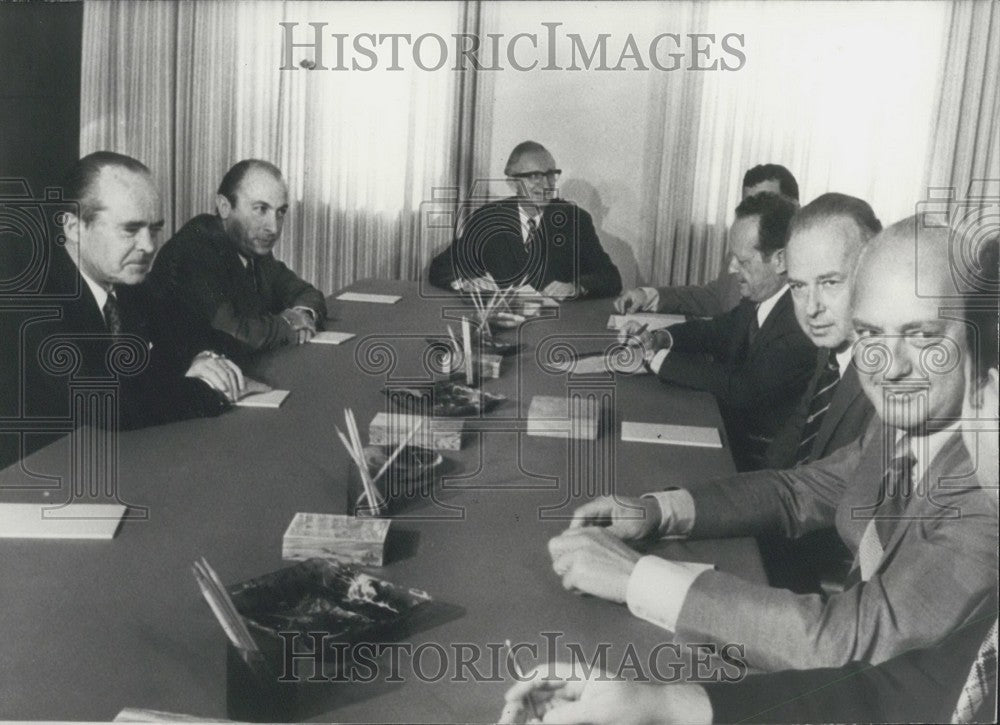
(90, 627)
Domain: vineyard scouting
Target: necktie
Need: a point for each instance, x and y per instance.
(252, 273)
(112, 314)
(532, 233)
(826, 386)
(981, 686)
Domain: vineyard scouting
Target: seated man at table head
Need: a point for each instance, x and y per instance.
(952, 681)
(919, 570)
(222, 265)
(721, 294)
(119, 328)
(755, 359)
(534, 236)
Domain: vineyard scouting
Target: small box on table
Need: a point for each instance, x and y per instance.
(335, 537)
(440, 434)
(560, 417)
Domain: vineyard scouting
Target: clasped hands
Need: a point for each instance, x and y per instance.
(649, 342)
(219, 373)
(556, 290)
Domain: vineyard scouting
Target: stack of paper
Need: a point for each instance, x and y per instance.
(331, 338)
(676, 435)
(73, 521)
(268, 399)
(652, 320)
(558, 417)
(367, 297)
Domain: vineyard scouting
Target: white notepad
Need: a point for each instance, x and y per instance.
(270, 399)
(331, 338)
(654, 320)
(365, 297)
(601, 364)
(674, 435)
(74, 521)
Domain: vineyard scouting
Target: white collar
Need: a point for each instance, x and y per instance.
(765, 307)
(926, 448)
(843, 360)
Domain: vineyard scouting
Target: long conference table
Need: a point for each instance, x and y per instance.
(91, 627)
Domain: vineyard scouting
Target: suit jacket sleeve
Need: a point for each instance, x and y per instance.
(784, 364)
(442, 270)
(921, 685)
(598, 274)
(292, 290)
(714, 298)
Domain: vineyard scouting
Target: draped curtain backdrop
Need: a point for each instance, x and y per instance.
(191, 88)
(874, 99)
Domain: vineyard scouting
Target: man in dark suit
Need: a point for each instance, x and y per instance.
(903, 498)
(755, 359)
(531, 236)
(222, 266)
(98, 321)
(723, 293)
(825, 238)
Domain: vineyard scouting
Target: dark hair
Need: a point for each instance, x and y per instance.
(234, 177)
(833, 204)
(766, 172)
(79, 182)
(981, 308)
(775, 212)
(525, 147)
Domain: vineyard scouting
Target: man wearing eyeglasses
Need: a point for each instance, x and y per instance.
(532, 236)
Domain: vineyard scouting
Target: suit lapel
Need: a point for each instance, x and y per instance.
(772, 324)
(844, 398)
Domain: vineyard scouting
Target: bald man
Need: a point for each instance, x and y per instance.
(902, 497)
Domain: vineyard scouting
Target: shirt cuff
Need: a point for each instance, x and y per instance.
(676, 511)
(652, 299)
(656, 362)
(657, 589)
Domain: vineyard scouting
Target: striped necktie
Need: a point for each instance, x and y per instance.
(532, 233)
(826, 386)
(979, 694)
(112, 314)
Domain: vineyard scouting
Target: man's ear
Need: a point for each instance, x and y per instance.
(71, 228)
(778, 260)
(223, 206)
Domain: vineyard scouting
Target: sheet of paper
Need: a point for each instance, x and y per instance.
(270, 399)
(329, 337)
(365, 297)
(74, 521)
(675, 435)
(595, 364)
(655, 320)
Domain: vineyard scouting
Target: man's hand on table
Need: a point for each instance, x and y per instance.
(564, 693)
(561, 290)
(219, 373)
(592, 561)
(632, 300)
(627, 518)
(301, 322)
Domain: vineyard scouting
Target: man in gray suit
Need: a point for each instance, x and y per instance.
(903, 498)
(723, 293)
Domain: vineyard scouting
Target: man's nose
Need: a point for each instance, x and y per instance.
(899, 365)
(271, 222)
(734, 267)
(146, 241)
(814, 302)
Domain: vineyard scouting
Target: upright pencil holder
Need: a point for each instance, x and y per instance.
(253, 691)
(357, 501)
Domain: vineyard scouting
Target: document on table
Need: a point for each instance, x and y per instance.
(73, 521)
(676, 435)
(601, 363)
(268, 399)
(653, 320)
(331, 338)
(366, 297)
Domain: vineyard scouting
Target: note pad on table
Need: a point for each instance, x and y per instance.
(331, 338)
(74, 521)
(653, 320)
(675, 435)
(365, 297)
(270, 399)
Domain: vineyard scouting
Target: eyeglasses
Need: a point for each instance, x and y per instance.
(536, 176)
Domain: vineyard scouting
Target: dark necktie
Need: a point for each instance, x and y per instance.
(252, 274)
(826, 386)
(112, 315)
(981, 684)
(533, 235)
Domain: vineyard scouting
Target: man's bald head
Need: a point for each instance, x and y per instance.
(908, 354)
